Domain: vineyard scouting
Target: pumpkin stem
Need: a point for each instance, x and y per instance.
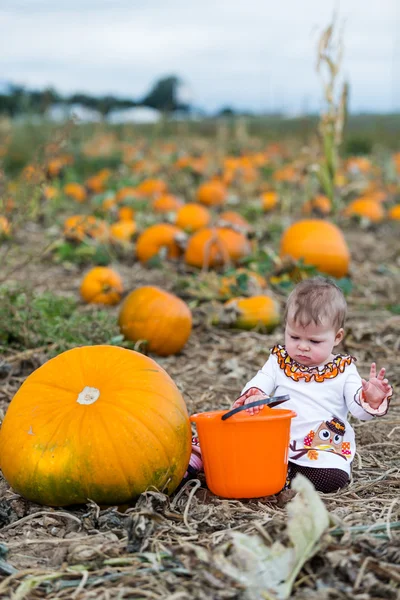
(88, 395)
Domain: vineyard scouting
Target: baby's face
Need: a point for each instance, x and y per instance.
(311, 345)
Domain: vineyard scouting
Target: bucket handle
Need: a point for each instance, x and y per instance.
(271, 402)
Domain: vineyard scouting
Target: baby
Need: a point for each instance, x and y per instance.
(323, 387)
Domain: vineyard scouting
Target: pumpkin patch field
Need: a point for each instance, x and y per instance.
(143, 278)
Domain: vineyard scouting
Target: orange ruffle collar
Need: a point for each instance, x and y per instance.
(299, 372)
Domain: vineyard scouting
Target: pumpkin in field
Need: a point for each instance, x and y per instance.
(163, 320)
(77, 227)
(231, 218)
(369, 209)
(242, 279)
(261, 312)
(211, 247)
(393, 214)
(126, 193)
(5, 228)
(101, 285)
(269, 200)
(159, 238)
(126, 213)
(211, 193)
(321, 205)
(152, 187)
(319, 243)
(192, 217)
(96, 422)
(75, 191)
(122, 231)
(166, 203)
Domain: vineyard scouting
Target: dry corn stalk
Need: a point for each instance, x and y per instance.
(333, 118)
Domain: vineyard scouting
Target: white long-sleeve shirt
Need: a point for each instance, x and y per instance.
(322, 396)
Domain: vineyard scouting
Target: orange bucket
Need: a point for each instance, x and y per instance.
(244, 456)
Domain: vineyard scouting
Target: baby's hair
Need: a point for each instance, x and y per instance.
(316, 299)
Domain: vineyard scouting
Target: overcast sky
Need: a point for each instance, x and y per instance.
(249, 54)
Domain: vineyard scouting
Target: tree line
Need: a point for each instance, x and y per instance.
(18, 100)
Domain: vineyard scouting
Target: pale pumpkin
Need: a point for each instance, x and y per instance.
(192, 217)
(157, 238)
(211, 247)
(319, 243)
(256, 312)
(153, 315)
(101, 285)
(98, 423)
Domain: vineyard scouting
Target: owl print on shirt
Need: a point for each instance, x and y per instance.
(329, 437)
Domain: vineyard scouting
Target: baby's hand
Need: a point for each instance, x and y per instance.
(377, 388)
(252, 395)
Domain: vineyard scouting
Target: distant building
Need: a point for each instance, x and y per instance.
(63, 112)
(136, 114)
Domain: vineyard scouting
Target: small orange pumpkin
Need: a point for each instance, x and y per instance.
(77, 227)
(211, 247)
(152, 187)
(369, 209)
(394, 213)
(321, 205)
(126, 193)
(156, 238)
(162, 319)
(211, 193)
(122, 231)
(98, 422)
(5, 227)
(192, 217)
(319, 243)
(269, 200)
(166, 203)
(101, 285)
(75, 191)
(230, 217)
(254, 281)
(261, 312)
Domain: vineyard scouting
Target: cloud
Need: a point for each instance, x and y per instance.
(250, 53)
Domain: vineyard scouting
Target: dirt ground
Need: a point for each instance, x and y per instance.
(162, 547)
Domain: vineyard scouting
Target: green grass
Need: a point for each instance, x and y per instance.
(29, 320)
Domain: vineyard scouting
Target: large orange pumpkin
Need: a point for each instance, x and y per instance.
(319, 243)
(163, 320)
(96, 422)
(192, 217)
(157, 237)
(260, 312)
(101, 285)
(211, 247)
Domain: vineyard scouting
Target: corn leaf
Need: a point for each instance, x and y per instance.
(268, 573)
